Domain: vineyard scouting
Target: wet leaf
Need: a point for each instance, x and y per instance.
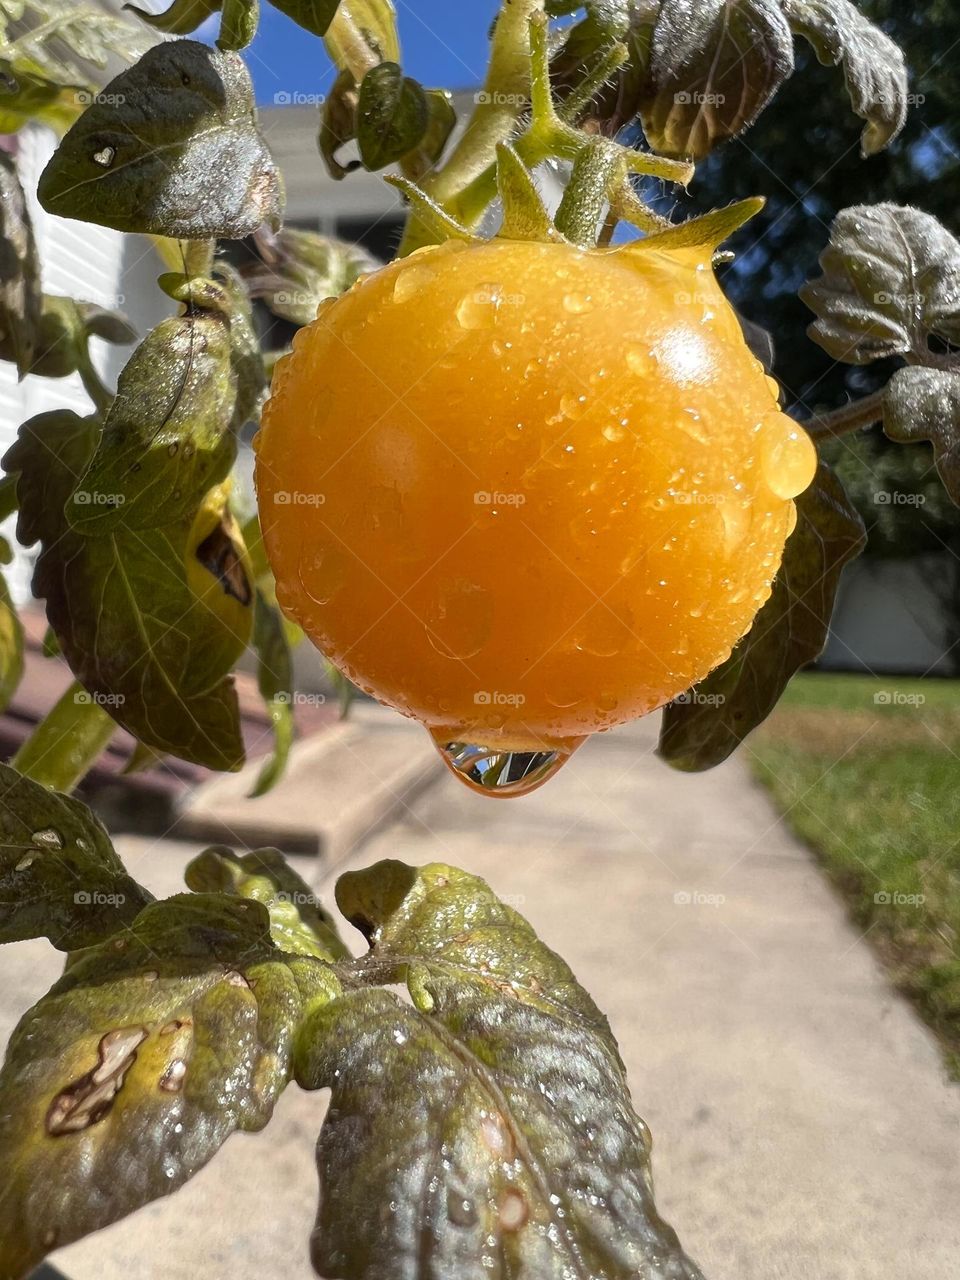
(703, 727)
(20, 296)
(512, 1146)
(151, 622)
(714, 66)
(166, 439)
(60, 877)
(891, 278)
(301, 269)
(275, 682)
(298, 922)
(873, 66)
(392, 116)
(924, 404)
(178, 155)
(131, 1072)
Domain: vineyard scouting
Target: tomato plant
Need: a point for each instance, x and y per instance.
(522, 486)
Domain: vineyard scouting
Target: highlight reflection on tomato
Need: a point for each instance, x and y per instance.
(523, 492)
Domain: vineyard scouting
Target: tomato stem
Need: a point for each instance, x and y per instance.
(851, 417)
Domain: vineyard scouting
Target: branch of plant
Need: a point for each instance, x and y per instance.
(851, 417)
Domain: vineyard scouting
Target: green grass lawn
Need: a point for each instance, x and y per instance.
(867, 772)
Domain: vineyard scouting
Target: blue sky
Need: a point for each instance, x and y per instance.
(444, 44)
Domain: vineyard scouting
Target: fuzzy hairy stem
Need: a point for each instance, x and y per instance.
(851, 417)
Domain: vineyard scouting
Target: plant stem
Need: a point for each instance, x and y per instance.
(66, 742)
(505, 97)
(850, 417)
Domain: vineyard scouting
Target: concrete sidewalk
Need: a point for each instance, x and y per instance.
(803, 1126)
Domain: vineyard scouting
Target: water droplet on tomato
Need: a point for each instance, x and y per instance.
(788, 457)
(460, 619)
(411, 280)
(577, 304)
(496, 770)
(478, 309)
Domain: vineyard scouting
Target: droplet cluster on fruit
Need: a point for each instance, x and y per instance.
(524, 491)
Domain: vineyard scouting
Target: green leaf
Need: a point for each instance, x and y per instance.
(375, 21)
(130, 1074)
(703, 727)
(617, 99)
(873, 66)
(312, 15)
(392, 116)
(27, 94)
(924, 404)
(714, 66)
(512, 1147)
(66, 327)
(246, 356)
(275, 681)
(301, 268)
(170, 148)
(891, 278)
(166, 439)
(150, 622)
(441, 121)
(338, 124)
(67, 741)
(60, 877)
(298, 922)
(20, 296)
(66, 36)
(11, 646)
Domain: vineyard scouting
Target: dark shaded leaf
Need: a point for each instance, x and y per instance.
(166, 438)
(301, 269)
(392, 116)
(147, 1054)
(150, 622)
(714, 66)
(171, 148)
(703, 727)
(20, 296)
(873, 66)
(66, 327)
(299, 924)
(312, 15)
(891, 277)
(60, 877)
(924, 404)
(512, 1146)
(246, 357)
(338, 124)
(441, 121)
(586, 44)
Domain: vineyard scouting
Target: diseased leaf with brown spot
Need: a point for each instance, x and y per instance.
(131, 1072)
(60, 877)
(143, 624)
(703, 727)
(512, 1148)
(172, 149)
(298, 923)
(924, 404)
(714, 66)
(20, 296)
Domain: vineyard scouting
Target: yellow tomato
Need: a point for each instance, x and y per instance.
(523, 492)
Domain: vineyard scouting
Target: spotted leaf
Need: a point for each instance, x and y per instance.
(131, 1072)
(512, 1147)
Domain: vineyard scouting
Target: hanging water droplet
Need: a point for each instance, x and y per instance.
(498, 771)
(788, 457)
